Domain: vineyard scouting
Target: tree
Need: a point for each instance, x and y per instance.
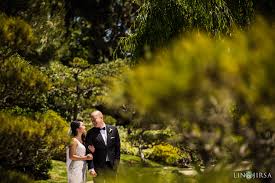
(159, 22)
(65, 29)
(79, 86)
(46, 20)
(16, 35)
(97, 26)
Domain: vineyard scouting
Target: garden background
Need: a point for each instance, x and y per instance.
(189, 84)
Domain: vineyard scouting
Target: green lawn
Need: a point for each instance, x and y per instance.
(58, 173)
(130, 170)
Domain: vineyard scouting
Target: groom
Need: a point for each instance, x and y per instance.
(106, 141)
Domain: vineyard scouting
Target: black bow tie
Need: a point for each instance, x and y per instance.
(102, 128)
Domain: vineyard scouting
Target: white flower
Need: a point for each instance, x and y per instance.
(110, 130)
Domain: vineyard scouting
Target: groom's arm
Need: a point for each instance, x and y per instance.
(90, 164)
(89, 138)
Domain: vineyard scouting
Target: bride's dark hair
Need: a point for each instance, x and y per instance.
(74, 126)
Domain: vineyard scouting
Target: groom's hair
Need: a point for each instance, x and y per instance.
(97, 113)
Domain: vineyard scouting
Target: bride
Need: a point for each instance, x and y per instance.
(76, 154)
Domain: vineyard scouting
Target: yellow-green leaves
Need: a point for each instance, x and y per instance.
(220, 89)
(22, 84)
(31, 142)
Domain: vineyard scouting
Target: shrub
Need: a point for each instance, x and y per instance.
(23, 85)
(126, 146)
(166, 153)
(27, 144)
(57, 133)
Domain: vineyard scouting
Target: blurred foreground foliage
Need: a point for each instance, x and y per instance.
(28, 143)
(14, 177)
(217, 94)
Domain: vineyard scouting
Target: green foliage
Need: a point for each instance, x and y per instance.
(94, 28)
(14, 177)
(91, 30)
(152, 144)
(126, 144)
(160, 21)
(85, 115)
(28, 144)
(213, 91)
(15, 34)
(22, 84)
(57, 133)
(243, 12)
(128, 148)
(157, 136)
(68, 29)
(146, 138)
(110, 120)
(166, 153)
(80, 86)
(46, 20)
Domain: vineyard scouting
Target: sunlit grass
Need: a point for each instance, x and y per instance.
(130, 170)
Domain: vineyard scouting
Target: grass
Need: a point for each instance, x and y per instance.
(130, 170)
(129, 159)
(58, 173)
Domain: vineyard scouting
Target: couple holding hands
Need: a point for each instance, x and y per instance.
(100, 149)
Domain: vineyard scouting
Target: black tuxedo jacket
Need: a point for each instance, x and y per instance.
(112, 148)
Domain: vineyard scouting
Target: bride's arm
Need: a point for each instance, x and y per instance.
(72, 152)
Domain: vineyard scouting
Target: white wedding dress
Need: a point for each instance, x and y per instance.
(77, 168)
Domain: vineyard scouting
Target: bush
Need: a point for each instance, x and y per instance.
(166, 153)
(126, 146)
(27, 144)
(23, 85)
(57, 133)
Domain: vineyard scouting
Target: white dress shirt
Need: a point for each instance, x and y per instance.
(104, 136)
